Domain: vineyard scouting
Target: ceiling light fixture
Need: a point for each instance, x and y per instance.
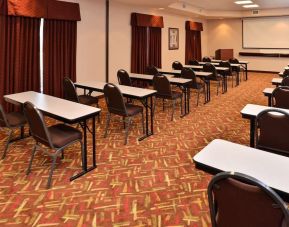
(251, 6)
(161, 8)
(243, 2)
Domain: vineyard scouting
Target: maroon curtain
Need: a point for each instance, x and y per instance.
(19, 55)
(155, 47)
(59, 53)
(193, 45)
(139, 58)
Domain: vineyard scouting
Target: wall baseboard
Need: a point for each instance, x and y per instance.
(260, 71)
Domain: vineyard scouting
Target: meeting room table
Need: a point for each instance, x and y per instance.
(250, 111)
(244, 63)
(268, 93)
(221, 70)
(277, 81)
(142, 94)
(180, 82)
(225, 156)
(205, 76)
(65, 111)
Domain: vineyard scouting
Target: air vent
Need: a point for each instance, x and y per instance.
(255, 12)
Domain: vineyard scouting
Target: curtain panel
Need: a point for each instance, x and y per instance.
(155, 47)
(60, 39)
(19, 56)
(193, 41)
(139, 58)
(146, 41)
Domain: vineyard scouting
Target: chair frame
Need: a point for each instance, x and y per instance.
(214, 77)
(275, 90)
(10, 133)
(127, 120)
(58, 151)
(248, 180)
(173, 101)
(257, 127)
(203, 88)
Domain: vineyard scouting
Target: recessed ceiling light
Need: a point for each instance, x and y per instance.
(251, 6)
(243, 2)
(161, 8)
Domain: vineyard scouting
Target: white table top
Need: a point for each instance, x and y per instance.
(277, 80)
(269, 168)
(201, 67)
(268, 91)
(253, 110)
(286, 68)
(53, 105)
(197, 73)
(240, 62)
(150, 77)
(213, 63)
(126, 90)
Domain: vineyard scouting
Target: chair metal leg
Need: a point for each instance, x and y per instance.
(31, 159)
(7, 144)
(218, 86)
(128, 122)
(182, 106)
(163, 104)
(107, 124)
(98, 117)
(62, 154)
(51, 171)
(198, 97)
(143, 123)
(173, 109)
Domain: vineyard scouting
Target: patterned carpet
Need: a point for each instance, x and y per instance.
(148, 183)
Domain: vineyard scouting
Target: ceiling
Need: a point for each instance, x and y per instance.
(210, 4)
(230, 5)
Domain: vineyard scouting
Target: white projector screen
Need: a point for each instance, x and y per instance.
(266, 33)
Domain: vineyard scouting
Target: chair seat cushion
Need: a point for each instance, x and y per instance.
(197, 86)
(62, 135)
(133, 109)
(15, 119)
(88, 100)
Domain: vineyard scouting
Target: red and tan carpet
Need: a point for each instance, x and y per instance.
(148, 183)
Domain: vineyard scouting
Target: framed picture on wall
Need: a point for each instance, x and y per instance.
(173, 38)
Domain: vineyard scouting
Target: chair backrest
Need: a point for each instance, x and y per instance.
(272, 129)
(193, 62)
(286, 73)
(234, 61)
(208, 67)
(114, 100)
(3, 119)
(37, 125)
(151, 70)
(239, 200)
(177, 65)
(207, 59)
(69, 90)
(188, 73)
(226, 64)
(285, 81)
(123, 78)
(162, 85)
(280, 97)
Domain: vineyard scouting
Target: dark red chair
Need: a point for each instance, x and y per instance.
(238, 200)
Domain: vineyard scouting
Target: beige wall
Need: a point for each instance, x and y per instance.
(227, 33)
(91, 38)
(120, 36)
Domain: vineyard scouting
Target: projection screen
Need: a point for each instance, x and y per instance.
(266, 33)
